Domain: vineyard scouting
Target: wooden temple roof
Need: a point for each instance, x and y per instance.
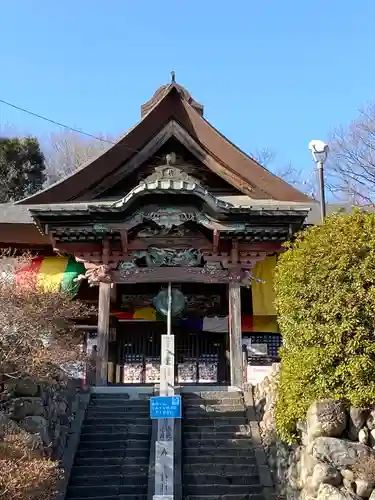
(171, 114)
(172, 105)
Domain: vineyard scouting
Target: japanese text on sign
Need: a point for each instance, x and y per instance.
(165, 407)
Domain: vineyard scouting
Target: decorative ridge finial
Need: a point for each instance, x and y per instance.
(171, 158)
(173, 76)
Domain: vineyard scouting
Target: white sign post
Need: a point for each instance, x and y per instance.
(164, 453)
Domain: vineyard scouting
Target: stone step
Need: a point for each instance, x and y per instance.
(130, 430)
(214, 408)
(214, 454)
(213, 402)
(217, 479)
(122, 398)
(110, 395)
(123, 419)
(104, 427)
(221, 489)
(212, 395)
(110, 479)
(248, 496)
(113, 400)
(129, 496)
(216, 421)
(124, 444)
(221, 468)
(118, 407)
(213, 414)
(221, 444)
(218, 433)
(116, 410)
(102, 462)
(114, 436)
(107, 490)
(109, 469)
(92, 453)
(220, 426)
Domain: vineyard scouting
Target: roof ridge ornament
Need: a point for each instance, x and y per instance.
(171, 158)
(162, 91)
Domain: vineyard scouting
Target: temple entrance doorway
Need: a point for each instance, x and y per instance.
(200, 356)
(135, 356)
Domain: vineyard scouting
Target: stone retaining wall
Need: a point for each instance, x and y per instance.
(43, 413)
(335, 458)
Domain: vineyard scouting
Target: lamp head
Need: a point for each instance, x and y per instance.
(319, 150)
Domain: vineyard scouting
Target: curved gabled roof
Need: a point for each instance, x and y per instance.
(171, 102)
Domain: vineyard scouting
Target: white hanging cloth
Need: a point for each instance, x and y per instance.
(216, 324)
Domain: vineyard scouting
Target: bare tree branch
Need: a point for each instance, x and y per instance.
(297, 178)
(264, 156)
(68, 151)
(36, 333)
(351, 162)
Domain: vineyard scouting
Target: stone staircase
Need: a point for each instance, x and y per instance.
(218, 453)
(112, 459)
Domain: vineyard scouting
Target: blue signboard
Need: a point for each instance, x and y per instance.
(165, 407)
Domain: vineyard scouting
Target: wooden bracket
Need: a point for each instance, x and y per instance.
(216, 237)
(234, 252)
(105, 252)
(124, 240)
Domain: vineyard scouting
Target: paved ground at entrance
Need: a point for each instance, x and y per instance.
(112, 459)
(218, 454)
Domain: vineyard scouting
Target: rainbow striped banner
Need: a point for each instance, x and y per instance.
(264, 324)
(52, 274)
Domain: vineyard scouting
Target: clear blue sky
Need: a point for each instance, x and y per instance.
(269, 73)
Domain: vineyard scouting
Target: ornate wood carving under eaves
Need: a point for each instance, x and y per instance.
(168, 265)
(206, 274)
(171, 217)
(171, 257)
(96, 273)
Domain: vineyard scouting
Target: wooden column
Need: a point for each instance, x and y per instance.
(113, 293)
(235, 335)
(103, 333)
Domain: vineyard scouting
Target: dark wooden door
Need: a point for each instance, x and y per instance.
(199, 356)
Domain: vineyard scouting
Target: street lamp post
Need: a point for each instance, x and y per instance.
(319, 151)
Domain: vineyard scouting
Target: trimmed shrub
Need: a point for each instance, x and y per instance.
(325, 298)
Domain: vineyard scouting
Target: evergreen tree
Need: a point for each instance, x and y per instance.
(22, 168)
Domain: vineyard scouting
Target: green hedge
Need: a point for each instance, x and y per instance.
(325, 289)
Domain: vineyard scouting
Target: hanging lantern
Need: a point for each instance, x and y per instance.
(178, 302)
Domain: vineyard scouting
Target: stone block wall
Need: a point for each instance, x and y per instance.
(335, 458)
(42, 412)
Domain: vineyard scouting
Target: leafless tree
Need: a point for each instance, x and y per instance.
(36, 334)
(37, 339)
(264, 156)
(351, 162)
(67, 151)
(297, 178)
